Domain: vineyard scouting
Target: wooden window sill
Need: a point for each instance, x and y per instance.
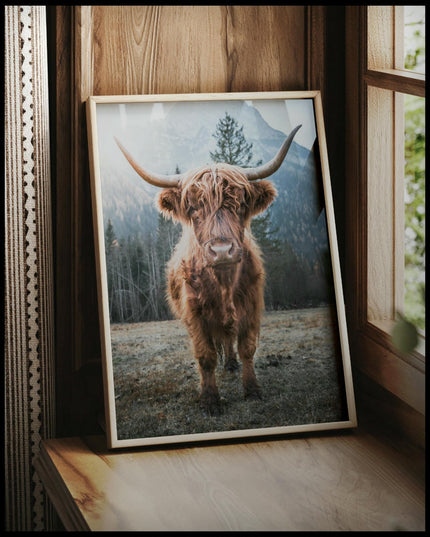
(348, 481)
(402, 375)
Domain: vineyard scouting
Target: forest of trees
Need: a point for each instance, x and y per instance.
(136, 264)
(136, 273)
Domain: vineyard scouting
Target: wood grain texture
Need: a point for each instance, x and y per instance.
(395, 374)
(385, 415)
(328, 483)
(380, 194)
(316, 50)
(59, 28)
(380, 41)
(86, 346)
(196, 49)
(355, 176)
(396, 80)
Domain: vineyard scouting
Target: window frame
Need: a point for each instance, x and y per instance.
(372, 61)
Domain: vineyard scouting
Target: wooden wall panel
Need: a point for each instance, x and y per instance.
(189, 49)
(107, 50)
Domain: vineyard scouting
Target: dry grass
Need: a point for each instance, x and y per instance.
(157, 381)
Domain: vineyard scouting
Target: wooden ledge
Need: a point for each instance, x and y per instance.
(333, 482)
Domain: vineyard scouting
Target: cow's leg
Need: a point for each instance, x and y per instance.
(247, 344)
(205, 350)
(230, 363)
(206, 356)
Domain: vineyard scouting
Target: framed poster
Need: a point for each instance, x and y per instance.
(220, 295)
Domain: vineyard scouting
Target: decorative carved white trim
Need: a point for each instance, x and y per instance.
(29, 342)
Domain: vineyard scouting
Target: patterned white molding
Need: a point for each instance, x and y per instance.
(29, 331)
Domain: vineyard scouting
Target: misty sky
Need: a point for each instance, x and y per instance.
(142, 125)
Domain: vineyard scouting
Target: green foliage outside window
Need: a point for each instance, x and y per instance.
(415, 210)
(414, 309)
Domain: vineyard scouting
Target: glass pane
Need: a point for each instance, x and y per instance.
(414, 38)
(415, 210)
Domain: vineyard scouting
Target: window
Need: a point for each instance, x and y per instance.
(414, 38)
(385, 99)
(414, 198)
(395, 174)
(414, 194)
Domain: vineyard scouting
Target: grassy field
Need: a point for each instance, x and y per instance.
(157, 380)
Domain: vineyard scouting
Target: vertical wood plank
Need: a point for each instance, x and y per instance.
(265, 47)
(381, 37)
(76, 325)
(355, 175)
(194, 49)
(399, 42)
(86, 326)
(125, 64)
(316, 50)
(399, 203)
(59, 39)
(380, 193)
(333, 95)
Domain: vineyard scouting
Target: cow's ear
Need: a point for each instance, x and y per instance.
(263, 193)
(169, 201)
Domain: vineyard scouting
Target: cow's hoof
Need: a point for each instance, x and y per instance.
(231, 364)
(211, 404)
(253, 392)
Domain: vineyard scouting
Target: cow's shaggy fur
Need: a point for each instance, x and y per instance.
(220, 303)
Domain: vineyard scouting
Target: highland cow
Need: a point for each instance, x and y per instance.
(215, 278)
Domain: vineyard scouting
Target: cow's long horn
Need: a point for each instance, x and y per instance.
(156, 179)
(260, 172)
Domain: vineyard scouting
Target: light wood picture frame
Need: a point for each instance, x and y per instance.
(187, 355)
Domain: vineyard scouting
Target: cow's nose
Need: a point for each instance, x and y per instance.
(220, 251)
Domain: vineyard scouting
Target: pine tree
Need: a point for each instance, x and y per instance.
(231, 143)
(111, 247)
(264, 235)
(110, 236)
